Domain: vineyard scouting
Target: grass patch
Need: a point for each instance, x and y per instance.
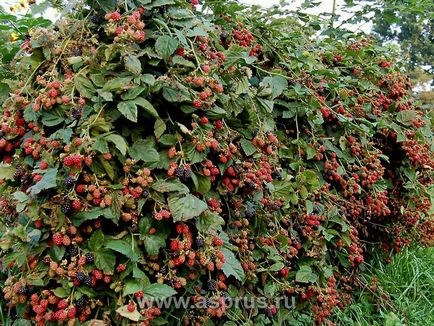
(404, 295)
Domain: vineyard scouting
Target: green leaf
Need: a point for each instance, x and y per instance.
(159, 291)
(171, 185)
(57, 253)
(140, 101)
(131, 315)
(105, 260)
(305, 275)
(48, 181)
(232, 267)
(208, 221)
(117, 84)
(180, 61)
(165, 46)
(133, 64)
(310, 177)
(119, 142)
(101, 145)
(132, 93)
(124, 247)
(84, 86)
(144, 149)
(61, 292)
(202, 183)
(187, 207)
(159, 128)
(96, 241)
(176, 92)
(406, 117)
(133, 286)
(168, 140)
(153, 243)
(50, 119)
(247, 146)
(129, 110)
(276, 266)
(93, 214)
(6, 172)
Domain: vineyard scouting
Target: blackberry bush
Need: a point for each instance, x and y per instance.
(161, 149)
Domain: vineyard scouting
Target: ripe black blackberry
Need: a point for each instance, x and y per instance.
(276, 175)
(73, 251)
(80, 276)
(66, 208)
(69, 181)
(251, 185)
(163, 270)
(94, 19)
(187, 174)
(207, 303)
(76, 114)
(87, 280)
(145, 193)
(200, 243)
(46, 260)
(179, 171)
(250, 210)
(212, 258)
(89, 257)
(76, 52)
(225, 295)
(19, 173)
(22, 290)
(81, 302)
(211, 285)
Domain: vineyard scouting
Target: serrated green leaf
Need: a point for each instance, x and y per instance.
(159, 291)
(170, 185)
(165, 46)
(232, 266)
(105, 260)
(144, 149)
(186, 207)
(133, 64)
(128, 109)
(305, 275)
(247, 146)
(48, 181)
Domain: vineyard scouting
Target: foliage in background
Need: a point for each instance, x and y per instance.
(408, 23)
(13, 32)
(157, 151)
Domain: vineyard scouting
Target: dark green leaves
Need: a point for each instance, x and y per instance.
(132, 63)
(173, 185)
(232, 266)
(144, 149)
(176, 92)
(247, 146)
(105, 260)
(84, 86)
(187, 207)
(159, 291)
(48, 181)
(129, 108)
(305, 275)
(166, 46)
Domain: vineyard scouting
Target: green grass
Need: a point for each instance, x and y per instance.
(405, 294)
